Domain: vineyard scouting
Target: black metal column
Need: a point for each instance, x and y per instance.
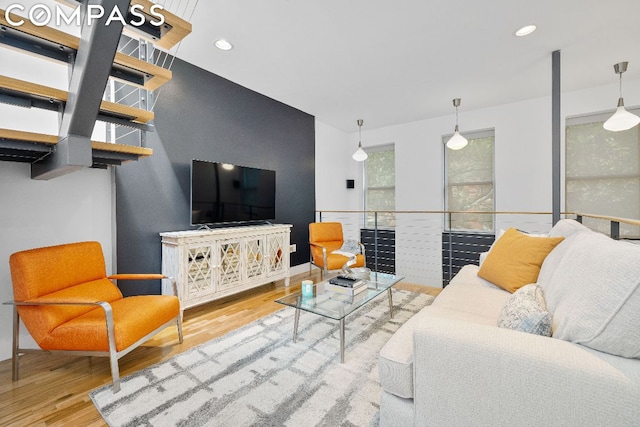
(93, 63)
(556, 135)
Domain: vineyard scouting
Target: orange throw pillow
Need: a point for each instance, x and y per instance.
(515, 259)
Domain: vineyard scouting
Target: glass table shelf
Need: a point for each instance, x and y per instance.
(327, 303)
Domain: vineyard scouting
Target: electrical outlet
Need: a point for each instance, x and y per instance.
(292, 248)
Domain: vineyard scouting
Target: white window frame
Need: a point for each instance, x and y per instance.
(477, 134)
(382, 223)
(598, 118)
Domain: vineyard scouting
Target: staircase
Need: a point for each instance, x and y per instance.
(102, 64)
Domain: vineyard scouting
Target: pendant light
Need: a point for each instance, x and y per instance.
(457, 141)
(621, 119)
(360, 155)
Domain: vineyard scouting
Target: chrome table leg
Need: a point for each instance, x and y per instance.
(342, 340)
(295, 325)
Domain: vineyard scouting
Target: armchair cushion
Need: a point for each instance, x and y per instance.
(42, 320)
(337, 261)
(88, 333)
(42, 271)
(323, 232)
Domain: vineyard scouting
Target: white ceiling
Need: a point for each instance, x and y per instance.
(391, 62)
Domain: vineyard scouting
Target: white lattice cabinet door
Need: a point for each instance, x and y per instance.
(211, 264)
(230, 268)
(200, 279)
(277, 254)
(254, 267)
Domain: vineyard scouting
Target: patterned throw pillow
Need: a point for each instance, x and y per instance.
(350, 246)
(526, 311)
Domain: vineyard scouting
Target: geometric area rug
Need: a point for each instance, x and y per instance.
(257, 375)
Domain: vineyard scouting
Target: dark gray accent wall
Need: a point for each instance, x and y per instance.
(203, 116)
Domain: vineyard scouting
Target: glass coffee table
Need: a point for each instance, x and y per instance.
(337, 306)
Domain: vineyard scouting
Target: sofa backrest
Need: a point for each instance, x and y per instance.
(592, 289)
(567, 227)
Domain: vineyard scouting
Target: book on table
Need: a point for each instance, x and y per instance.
(345, 281)
(358, 287)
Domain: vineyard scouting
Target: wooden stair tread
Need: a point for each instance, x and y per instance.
(122, 148)
(138, 115)
(157, 75)
(179, 27)
(178, 31)
(19, 135)
(42, 138)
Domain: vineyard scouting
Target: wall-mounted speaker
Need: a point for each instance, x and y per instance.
(351, 183)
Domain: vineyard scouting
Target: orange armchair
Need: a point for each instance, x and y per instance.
(324, 239)
(69, 305)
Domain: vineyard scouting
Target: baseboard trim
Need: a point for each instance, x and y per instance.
(300, 269)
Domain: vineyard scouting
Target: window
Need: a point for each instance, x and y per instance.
(380, 188)
(469, 183)
(602, 171)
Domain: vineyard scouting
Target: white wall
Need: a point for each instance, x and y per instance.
(523, 142)
(74, 207)
(333, 168)
(523, 162)
(33, 213)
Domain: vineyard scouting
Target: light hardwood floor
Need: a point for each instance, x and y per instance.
(54, 390)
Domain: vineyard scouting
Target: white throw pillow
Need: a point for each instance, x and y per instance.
(592, 288)
(567, 227)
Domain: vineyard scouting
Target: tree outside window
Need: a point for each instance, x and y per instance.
(380, 191)
(469, 183)
(602, 171)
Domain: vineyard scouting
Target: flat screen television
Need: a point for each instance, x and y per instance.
(226, 193)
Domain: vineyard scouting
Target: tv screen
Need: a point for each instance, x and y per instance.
(221, 192)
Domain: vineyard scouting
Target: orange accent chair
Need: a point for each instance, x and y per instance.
(69, 305)
(324, 239)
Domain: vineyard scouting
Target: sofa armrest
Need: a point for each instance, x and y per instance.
(470, 374)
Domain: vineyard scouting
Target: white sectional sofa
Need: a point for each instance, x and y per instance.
(451, 365)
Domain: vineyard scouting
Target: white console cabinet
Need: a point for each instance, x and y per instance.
(213, 263)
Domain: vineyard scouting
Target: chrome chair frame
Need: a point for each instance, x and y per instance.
(112, 354)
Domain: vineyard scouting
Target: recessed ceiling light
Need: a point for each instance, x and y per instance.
(222, 44)
(526, 30)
